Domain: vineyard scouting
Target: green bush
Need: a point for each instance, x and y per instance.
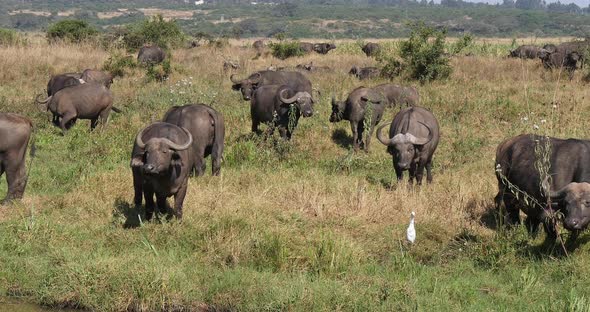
(10, 37)
(155, 30)
(71, 30)
(284, 50)
(464, 41)
(118, 63)
(159, 72)
(423, 56)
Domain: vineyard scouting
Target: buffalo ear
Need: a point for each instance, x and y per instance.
(176, 160)
(137, 160)
(236, 86)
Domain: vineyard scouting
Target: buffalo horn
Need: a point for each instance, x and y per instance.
(178, 147)
(289, 100)
(380, 137)
(423, 141)
(234, 80)
(256, 78)
(559, 194)
(138, 139)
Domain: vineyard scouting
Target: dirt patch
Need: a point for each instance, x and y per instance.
(37, 13)
(171, 14)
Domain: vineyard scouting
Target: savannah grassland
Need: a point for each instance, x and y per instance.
(299, 226)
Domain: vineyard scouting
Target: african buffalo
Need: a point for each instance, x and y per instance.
(569, 169)
(525, 51)
(97, 76)
(161, 162)
(280, 106)
(360, 102)
(61, 81)
(560, 59)
(365, 72)
(398, 95)
(260, 47)
(413, 138)
(371, 49)
(15, 132)
(295, 80)
(86, 101)
(151, 55)
(323, 48)
(208, 131)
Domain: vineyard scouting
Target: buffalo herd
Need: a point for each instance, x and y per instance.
(565, 56)
(167, 152)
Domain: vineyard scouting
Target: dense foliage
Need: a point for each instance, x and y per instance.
(284, 50)
(71, 30)
(153, 30)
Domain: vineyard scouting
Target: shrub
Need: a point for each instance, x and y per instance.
(465, 41)
(159, 72)
(423, 55)
(154, 30)
(10, 37)
(118, 63)
(71, 30)
(284, 50)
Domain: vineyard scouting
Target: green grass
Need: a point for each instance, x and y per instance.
(305, 225)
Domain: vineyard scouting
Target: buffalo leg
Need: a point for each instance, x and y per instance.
(255, 125)
(93, 123)
(355, 135)
(179, 200)
(369, 136)
(419, 173)
(550, 230)
(399, 172)
(148, 194)
(137, 187)
(429, 172)
(162, 204)
(216, 157)
(66, 122)
(104, 118)
(200, 164)
(360, 138)
(532, 225)
(412, 173)
(15, 175)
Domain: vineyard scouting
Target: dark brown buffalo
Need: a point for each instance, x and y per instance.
(208, 131)
(86, 101)
(525, 51)
(360, 101)
(569, 169)
(365, 72)
(560, 59)
(323, 48)
(151, 55)
(413, 138)
(97, 76)
(161, 162)
(371, 49)
(295, 80)
(61, 81)
(279, 106)
(398, 95)
(15, 132)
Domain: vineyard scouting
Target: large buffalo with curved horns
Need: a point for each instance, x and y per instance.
(295, 80)
(86, 101)
(61, 81)
(207, 128)
(281, 107)
(413, 138)
(161, 162)
(568, 187)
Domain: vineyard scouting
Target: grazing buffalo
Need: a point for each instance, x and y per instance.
(560, 59)
(360, 103)
(61, 81)
(365, 72)
(295, 80)
(525, 51)
(281, 106)
(569, 169)
(260, 48)
(151, 55)
(15, 132)
(97, 76)
(86, 101)
(398, 95)
(323, 48)
(413, 138)
(208, 131)
(371, 49)
(306, 47)
(161, 162)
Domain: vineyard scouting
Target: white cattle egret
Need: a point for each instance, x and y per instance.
(411, 232)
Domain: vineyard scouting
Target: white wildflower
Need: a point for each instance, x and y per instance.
(535, 127)
(543, 121)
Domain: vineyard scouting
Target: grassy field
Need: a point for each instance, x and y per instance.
(304, 225)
